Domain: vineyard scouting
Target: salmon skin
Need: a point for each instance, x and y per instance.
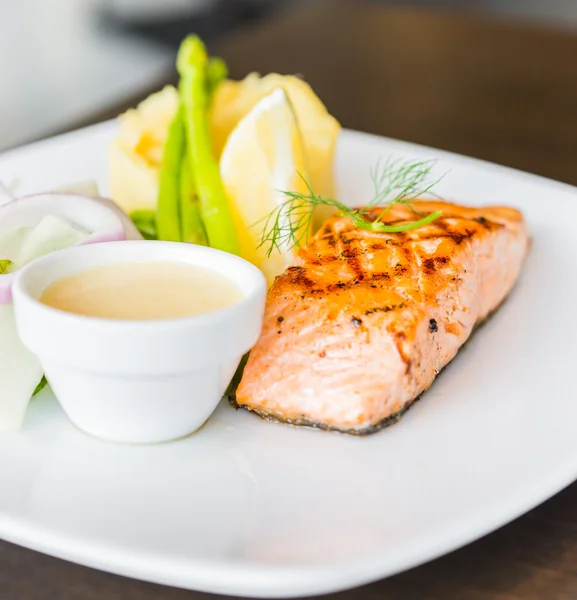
(362, 322)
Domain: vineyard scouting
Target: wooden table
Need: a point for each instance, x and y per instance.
(498, 91)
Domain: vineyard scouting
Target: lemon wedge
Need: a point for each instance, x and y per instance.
(320, 130)
(263, 157)
(136, 150)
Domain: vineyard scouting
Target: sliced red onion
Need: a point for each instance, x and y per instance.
(103, 219)
(130, 230)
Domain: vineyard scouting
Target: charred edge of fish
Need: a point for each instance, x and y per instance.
(327, 259)
(385, 309)
(351, 256)
(343, 285)
(380, 276)
(459, 238)
(430, 264)
(351, 253)
(343, 239)
(304, 281)
(387, 421)
(488, 223)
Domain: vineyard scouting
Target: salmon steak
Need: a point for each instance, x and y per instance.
(362, 322)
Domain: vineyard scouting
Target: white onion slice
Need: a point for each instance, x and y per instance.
(130, 230)
(30, 227)
(89, 188)
(5, 195)
(101, 218)
(20, 373)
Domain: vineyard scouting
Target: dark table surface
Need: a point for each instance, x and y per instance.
(499, 91)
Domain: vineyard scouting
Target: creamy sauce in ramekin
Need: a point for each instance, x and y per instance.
(155, 290)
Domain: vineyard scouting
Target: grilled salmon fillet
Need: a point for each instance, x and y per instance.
(362, 322)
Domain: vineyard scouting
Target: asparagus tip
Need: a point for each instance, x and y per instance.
(192, 53)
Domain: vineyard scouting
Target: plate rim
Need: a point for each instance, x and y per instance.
(465, 159)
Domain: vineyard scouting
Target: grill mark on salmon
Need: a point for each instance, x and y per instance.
(370, 319)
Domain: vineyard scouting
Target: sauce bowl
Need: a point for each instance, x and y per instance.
(138, 381)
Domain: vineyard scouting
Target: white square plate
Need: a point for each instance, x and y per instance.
(246, 507)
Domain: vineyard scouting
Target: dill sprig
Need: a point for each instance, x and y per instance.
(394, 182)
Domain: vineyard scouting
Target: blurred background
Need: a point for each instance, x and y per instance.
(65, 60)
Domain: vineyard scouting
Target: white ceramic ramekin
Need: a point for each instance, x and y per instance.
(138, 381)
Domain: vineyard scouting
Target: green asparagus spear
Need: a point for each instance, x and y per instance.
(168, 213)
(192, 228)
(145, 221)
(192, 65)
(217, 72)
